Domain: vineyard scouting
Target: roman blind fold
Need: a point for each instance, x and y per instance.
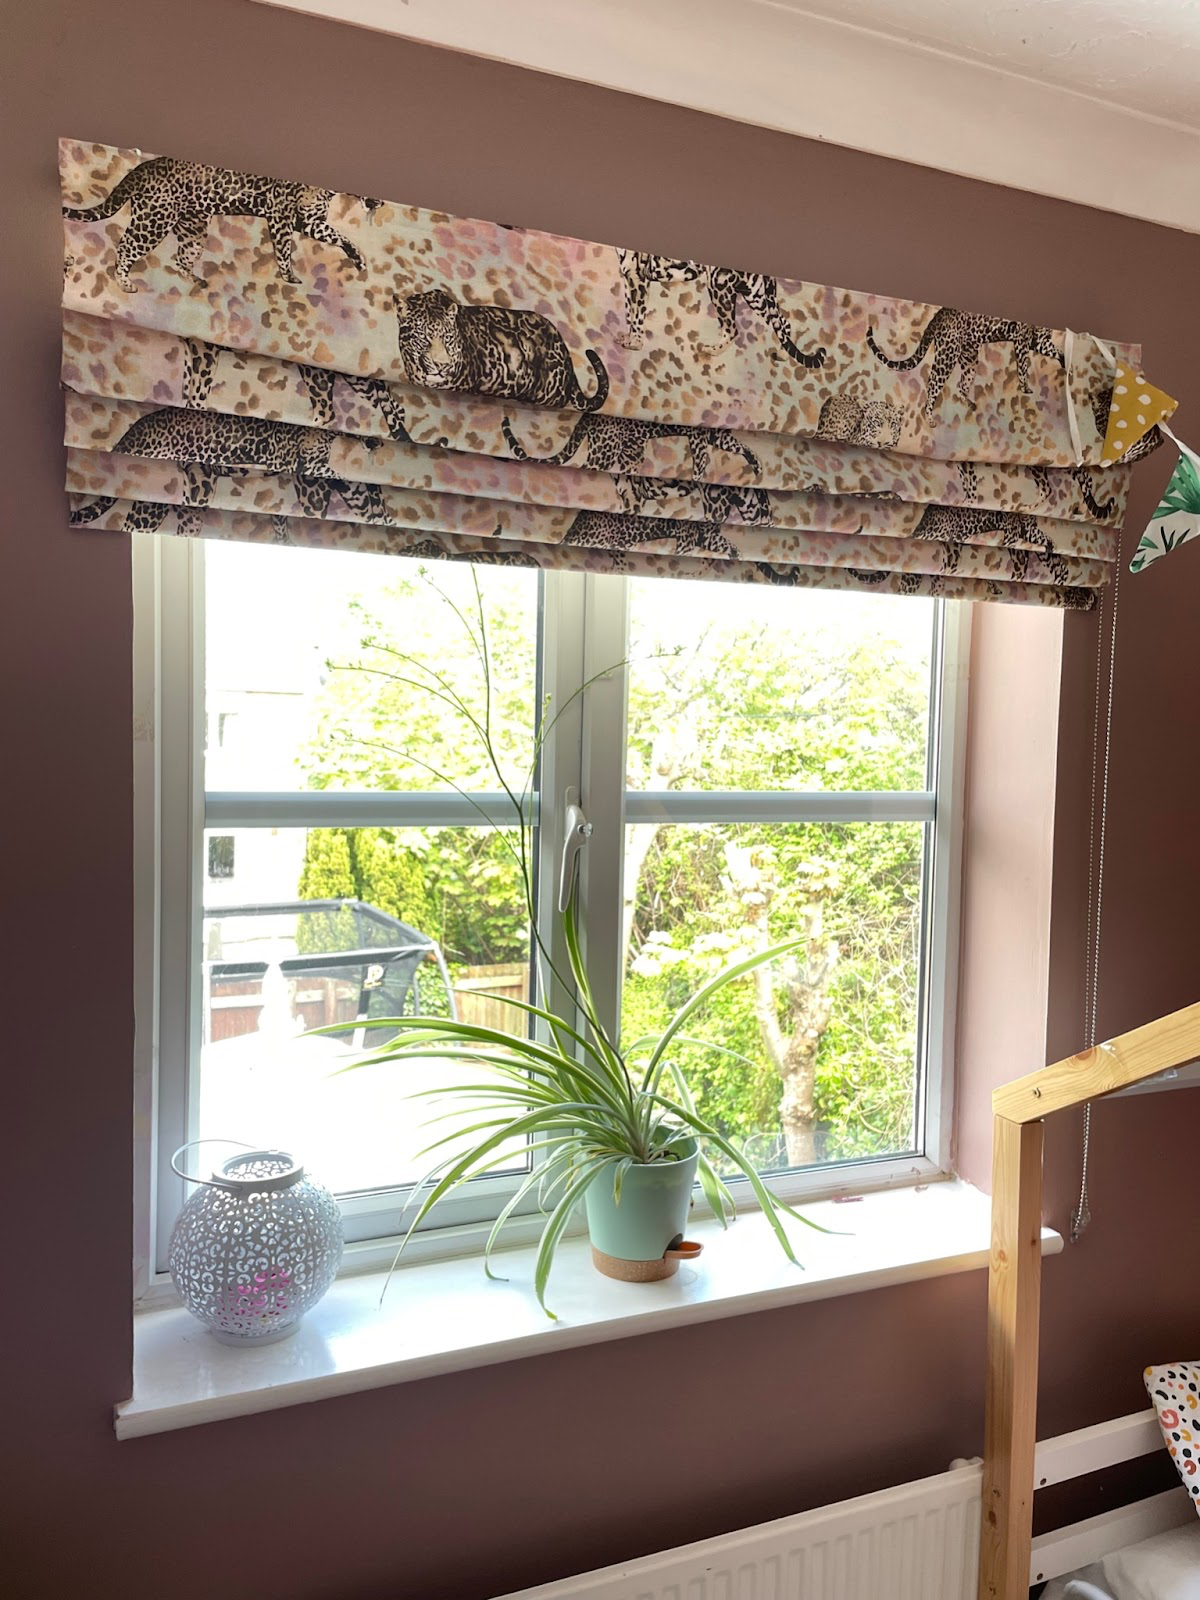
(260, 359)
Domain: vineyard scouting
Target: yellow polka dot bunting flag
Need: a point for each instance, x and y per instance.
(1137, 406)
(1176, 518)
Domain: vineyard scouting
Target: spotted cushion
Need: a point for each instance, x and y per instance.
(1175, 1392)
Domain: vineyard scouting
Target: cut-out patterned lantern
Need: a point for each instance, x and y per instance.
(255, 1246)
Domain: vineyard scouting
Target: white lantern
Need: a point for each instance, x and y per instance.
(255, 1247)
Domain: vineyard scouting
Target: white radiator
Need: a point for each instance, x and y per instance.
(919, 1541)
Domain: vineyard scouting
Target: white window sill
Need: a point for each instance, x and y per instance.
(443, 1316)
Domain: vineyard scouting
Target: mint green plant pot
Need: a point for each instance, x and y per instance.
(635, 1239)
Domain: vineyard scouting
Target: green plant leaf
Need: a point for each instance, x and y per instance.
(705, 993)
(619, 1171)
(527, 1185)
(536, 1057)
(720, 1201)
(555, 1228)
(531, 1122)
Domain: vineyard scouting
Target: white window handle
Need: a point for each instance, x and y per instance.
(577, 830)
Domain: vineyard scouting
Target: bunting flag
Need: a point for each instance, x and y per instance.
(1176, 518)
(1137, 409)
(261, 359)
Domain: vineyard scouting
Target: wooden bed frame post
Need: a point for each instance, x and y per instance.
(1015, 1272)
(1014, 1294)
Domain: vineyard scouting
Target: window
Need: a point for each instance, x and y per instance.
(756, 764)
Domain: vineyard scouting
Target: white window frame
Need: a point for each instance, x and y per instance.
(585, 624)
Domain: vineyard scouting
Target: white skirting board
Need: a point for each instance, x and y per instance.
(918, 1541)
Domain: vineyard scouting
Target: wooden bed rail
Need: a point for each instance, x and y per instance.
(1015, 1273)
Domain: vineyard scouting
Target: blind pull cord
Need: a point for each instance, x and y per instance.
(1082, 1214)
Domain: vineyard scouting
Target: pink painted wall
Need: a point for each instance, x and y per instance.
(438, 1489)
(1007, 866)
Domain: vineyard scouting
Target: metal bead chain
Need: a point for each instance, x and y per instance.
(1082, 1214)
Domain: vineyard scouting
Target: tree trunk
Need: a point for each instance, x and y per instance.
(804, 978)
(797, 1104)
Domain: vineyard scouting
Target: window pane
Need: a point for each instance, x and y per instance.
(336, 925)
(819, 1055)
(320, 671)
(740, 687)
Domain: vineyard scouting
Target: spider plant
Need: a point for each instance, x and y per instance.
(585, 1107)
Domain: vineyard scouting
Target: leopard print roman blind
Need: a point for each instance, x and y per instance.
(254, 358)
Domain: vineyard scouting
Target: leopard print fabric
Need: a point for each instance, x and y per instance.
(602, 531)
(200, 366)
(722, 502)
(952, 527)
(956, 338)
(431, 550)
(483, 367)
(638, 271)
(725, 289)
(207, 446)
(618, 444)
(230, 443)
(1102, 510)
(144, 516)
(493, 350)
(165, 196)
(877, 423)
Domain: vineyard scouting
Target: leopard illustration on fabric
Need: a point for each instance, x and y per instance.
(199, 370)
(431, 550)
(876, 423)
(207, 445)
(871, 578)
(607, 530)
(507, 431)
(725, 288)
(953, 526)
(492, 350)
(907, 583)
(968, 474)
(618, 444)
(721, 501)
(956, 338)
(167, 196)
(144, 516)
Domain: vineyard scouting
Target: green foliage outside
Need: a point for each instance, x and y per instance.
(379, 729)
(775, 709)
(455, 885)
(371, 864)
(833, 702)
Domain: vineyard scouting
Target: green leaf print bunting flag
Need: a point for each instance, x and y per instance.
(1176, 520)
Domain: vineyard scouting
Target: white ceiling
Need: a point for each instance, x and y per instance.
(1143, 55)
(1094, 101)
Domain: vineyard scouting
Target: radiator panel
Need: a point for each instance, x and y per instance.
(918, 1541)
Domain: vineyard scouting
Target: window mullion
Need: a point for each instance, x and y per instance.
(714, 806)
(180, 732)
(562, 711)
(606, 645)
(356, 808)
(941, 914)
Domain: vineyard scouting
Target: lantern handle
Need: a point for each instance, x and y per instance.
(190, 1145)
